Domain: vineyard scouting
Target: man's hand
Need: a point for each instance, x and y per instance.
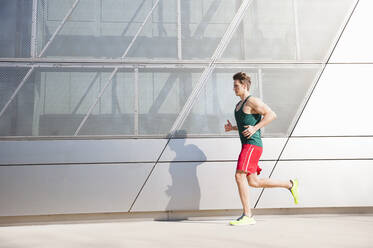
(249, 131)
(228, 127)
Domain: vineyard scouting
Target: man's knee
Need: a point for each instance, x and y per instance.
(240, 176)
(254, 182)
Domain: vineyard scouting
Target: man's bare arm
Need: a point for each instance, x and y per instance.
(260, 107)
(229, 127)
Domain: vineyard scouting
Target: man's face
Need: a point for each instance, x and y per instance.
(238, 87)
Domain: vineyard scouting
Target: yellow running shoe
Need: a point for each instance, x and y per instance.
(295, 190)
(243, 220)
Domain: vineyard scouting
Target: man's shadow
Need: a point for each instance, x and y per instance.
(184, 191)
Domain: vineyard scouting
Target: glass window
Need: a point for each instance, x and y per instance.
(161, 68)
(289, 30)
(273, 86)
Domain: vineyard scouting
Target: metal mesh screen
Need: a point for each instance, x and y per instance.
(123, 67)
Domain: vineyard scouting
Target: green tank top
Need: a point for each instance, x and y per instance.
(244, 119)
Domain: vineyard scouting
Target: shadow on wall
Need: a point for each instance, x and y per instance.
(184, 191)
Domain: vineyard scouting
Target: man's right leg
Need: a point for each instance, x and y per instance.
(292, 185)
(256, 182)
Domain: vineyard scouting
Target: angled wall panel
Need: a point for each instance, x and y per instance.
(329, 148)
(80, 151)
(193, 186)
(205, 149)
(342, 183)
(340, 103)
(64, 189)
(356, 42)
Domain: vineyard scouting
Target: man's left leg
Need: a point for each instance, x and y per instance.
(246, 217)
(243, 191)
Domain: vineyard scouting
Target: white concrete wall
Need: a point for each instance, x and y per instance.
(330, 151)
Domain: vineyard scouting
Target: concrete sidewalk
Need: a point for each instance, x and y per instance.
(309, 230)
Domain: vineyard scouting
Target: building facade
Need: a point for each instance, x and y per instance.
(120, 106)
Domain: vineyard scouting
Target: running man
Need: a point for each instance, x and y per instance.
(248, 113)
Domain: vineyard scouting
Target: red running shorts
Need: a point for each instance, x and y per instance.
(249, 158)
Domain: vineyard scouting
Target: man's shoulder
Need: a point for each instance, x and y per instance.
(251, 100)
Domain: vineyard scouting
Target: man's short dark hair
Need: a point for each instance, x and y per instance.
(243, 78)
